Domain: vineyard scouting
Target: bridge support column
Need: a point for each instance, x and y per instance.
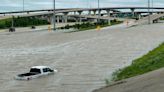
(58, 19)
(62, 18)
(108, 14)
(80, 12)
(89, 12)
(133, 13)
(49, 19)
(77, 20)
(99, 15)
(139, 16)
(156, 21)
(74, 12)
(28, 12)
(65, 17)
(94, 12)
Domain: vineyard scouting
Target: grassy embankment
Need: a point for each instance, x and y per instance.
(149, 62)
(161, 18)
(89, 25)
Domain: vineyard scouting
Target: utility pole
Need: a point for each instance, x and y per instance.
(148, 11)
(54, 15)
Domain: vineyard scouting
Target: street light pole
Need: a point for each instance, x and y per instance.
(152, 5)
(23, 5)
(54, 16)
(12, 22)
(148, 11)
(99, 11)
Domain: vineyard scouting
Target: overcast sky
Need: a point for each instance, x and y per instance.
(15, 5)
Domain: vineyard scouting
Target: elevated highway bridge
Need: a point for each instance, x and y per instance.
(63, 14)
(82, 9)
(153, 18)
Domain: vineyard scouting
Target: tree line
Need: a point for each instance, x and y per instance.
(22, 22)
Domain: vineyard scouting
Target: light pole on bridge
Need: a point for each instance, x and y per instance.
(98, 11)
(148, 11)
(23, 5)
(54, 15)
(152, 1)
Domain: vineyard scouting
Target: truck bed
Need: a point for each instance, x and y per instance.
(28, 74)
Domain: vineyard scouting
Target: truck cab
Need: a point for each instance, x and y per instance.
(41, 69)
(35, 72)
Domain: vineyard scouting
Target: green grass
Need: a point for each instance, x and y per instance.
(89, 26)
(4, 23)
(161, 18)
(152, 61)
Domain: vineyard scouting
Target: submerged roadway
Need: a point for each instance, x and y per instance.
(84, 59)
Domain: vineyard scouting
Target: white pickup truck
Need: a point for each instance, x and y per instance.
(35, 72)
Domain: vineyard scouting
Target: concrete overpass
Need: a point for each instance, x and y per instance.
(153, 18)
(82, 9)
(79, 10)
(50, 12)
(91, 12)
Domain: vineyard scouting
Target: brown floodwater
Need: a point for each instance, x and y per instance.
(84, 59)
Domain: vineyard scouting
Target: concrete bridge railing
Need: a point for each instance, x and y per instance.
(153, 18)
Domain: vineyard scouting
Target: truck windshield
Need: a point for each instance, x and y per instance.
(35, 70)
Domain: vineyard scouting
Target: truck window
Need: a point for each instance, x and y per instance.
(48, 69)
(45, 70)
(35, 70)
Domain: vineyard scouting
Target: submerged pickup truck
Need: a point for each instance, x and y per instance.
(35, 72)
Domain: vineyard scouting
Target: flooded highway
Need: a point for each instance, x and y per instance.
(84, 59)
